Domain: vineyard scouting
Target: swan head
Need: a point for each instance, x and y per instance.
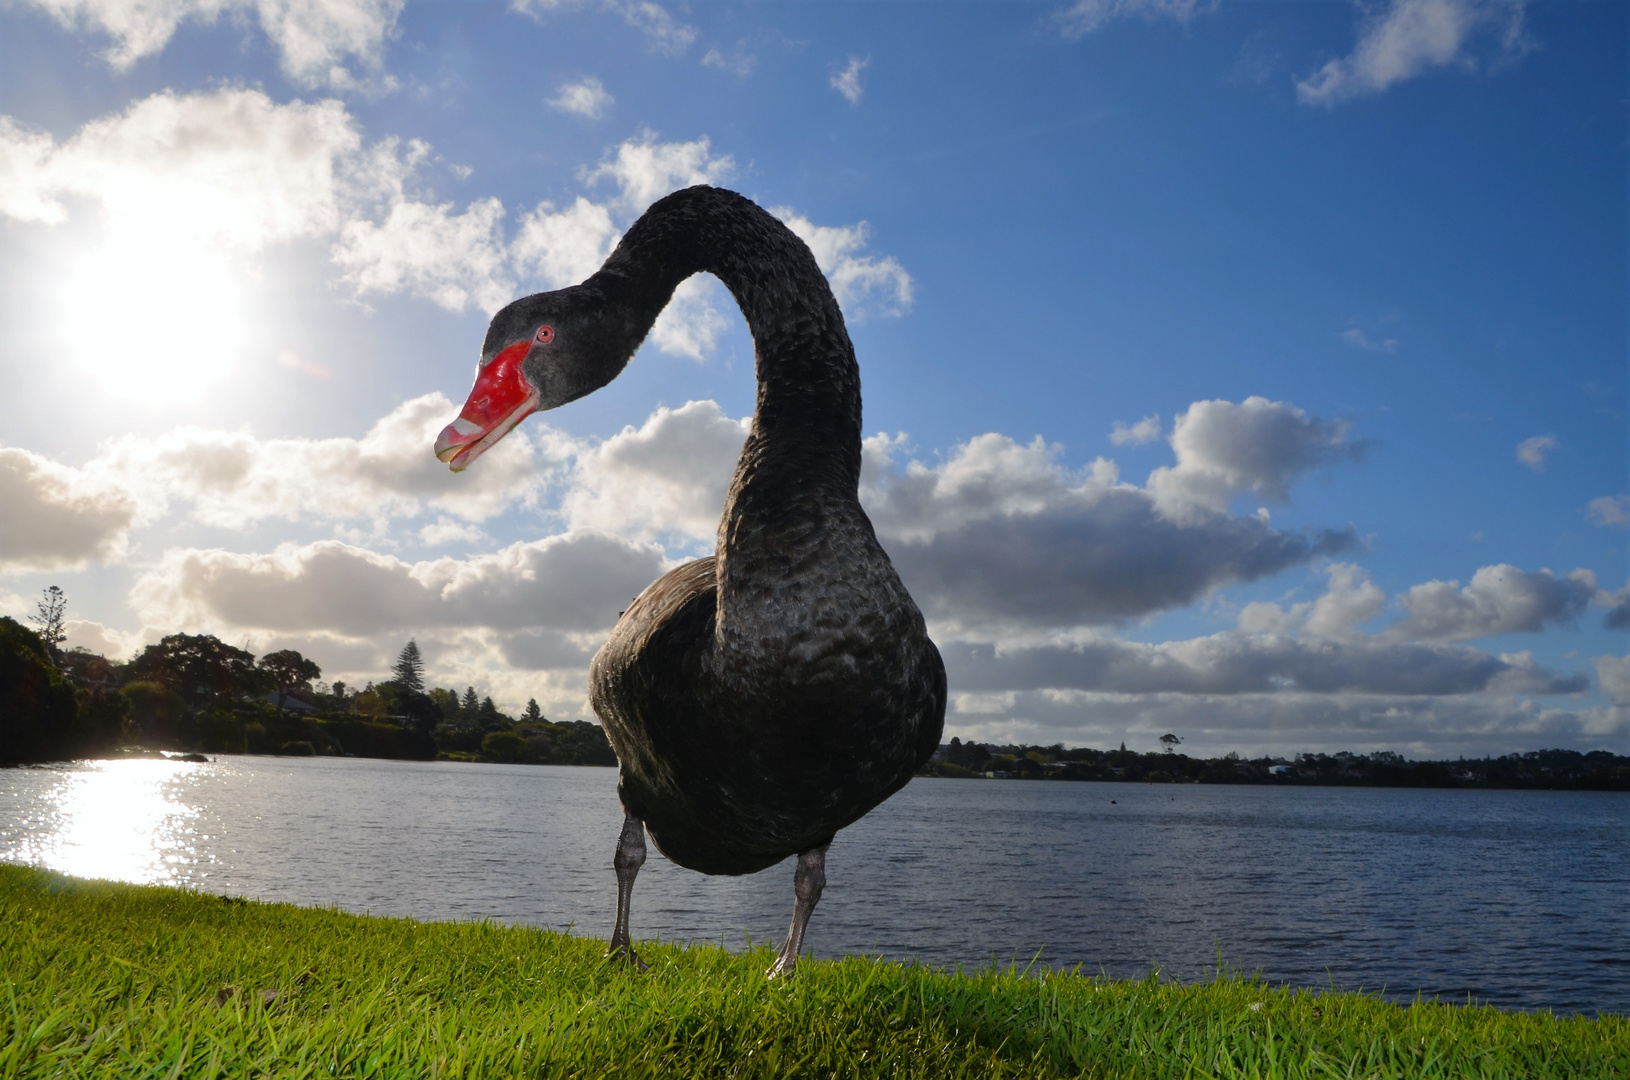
(541, 352)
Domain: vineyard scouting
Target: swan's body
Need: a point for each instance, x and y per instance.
(761, 699)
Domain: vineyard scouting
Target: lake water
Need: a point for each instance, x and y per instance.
(1516, 898)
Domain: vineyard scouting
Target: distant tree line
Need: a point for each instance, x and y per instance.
(1597, 770)
(194, 692)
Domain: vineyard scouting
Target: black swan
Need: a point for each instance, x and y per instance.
(762, 698)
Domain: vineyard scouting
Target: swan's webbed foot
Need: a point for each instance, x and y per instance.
(622, 953)
(627, 862)
(807, 883)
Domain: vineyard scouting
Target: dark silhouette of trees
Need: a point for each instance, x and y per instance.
(37, 707)
(533, 714)
(289, 671)
(49, 619)
(202, 668)
(409, 668)
(505, 746)
(469, 710)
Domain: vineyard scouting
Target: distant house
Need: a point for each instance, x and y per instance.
(1282, 770)
(290, 703)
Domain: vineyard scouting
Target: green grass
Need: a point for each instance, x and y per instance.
(125, 981)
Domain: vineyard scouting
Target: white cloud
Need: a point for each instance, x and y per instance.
(454, 259)
(663, 33)
(57, 517)
(192, 185)
(664, 479)
(576, 582)
(1613, 676)
(1146, 430)
(556, 248)
(1423, 726)
(1257, 446)
(847, 81)
(691, 323)
(586, 97)
(865, 281)
(1500, 599)
(1533, 452)
(1358, 339)
(232, 480)
(313, 37)
(231, 167)
(1232, 662)
(645, 170)
(1411, 37)
(445, 530)
(739, 63)
(1084, 16)
(1609, 510)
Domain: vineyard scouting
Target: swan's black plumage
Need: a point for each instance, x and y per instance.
(761, 699)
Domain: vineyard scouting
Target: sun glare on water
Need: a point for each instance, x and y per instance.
(121, 820)
(154, 320)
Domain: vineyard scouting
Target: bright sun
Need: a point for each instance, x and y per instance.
(154, 320)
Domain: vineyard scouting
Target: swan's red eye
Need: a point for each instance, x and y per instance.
(546, 334)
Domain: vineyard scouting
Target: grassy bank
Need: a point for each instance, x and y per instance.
(125, 981)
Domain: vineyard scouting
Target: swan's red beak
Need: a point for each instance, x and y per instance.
(501, 399)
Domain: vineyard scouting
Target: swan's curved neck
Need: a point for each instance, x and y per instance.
(806, 424)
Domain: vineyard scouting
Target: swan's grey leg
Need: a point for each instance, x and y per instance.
(628, 860)
(807, 884)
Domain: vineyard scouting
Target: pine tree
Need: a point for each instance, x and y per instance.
(50, 614)
(469, 707)
(533, 714)
(409, 669)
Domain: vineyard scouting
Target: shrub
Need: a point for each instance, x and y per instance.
(505, 746)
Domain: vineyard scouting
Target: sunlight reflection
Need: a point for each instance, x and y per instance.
(121, 820)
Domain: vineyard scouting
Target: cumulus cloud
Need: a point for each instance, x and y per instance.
(1533, 452)
(555, 248)
(865, 281)
(586, 97)
(1411, 37)
(1258, 446)
(231, 166)
(57, 517)
(1617, 603)
(1608, 510)
(1146, 430)
(1084, 16)
(1613, 676)
(574, 582)
(645, 169)
(213, 177)
(1435, 726)
(454, 259)
(1000, 534)
(665, 479)
(847, 81)
(313, 37)
(233, 480)
(1500, 599)
(1237, 663)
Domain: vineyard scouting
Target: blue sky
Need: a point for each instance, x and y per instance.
(1254, 372)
